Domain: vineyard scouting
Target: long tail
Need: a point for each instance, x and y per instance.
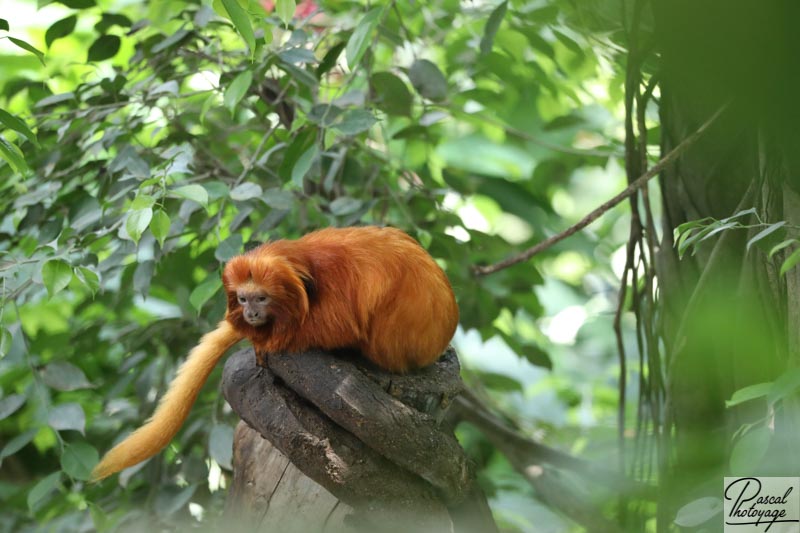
(174, 407)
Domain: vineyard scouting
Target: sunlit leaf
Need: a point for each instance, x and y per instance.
(790, 262)
(766, 231)
(241, 20)
(191, 192)
(89, 278)
(159, 226)
(137, 222)
(17, 124)
(13, 155)
(285, 10)
(362, 35)
(56, 275)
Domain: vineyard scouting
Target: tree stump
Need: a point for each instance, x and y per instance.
(331, 443)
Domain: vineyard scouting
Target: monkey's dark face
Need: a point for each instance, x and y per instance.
(254, 302)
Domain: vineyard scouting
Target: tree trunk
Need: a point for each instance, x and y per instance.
(726, 311)
(349, 447)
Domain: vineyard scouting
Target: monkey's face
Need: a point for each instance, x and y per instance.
(254, 302)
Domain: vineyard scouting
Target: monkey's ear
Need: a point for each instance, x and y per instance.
(309, 285)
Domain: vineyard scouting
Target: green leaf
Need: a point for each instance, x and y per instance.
(428, 80)
(786, 385)
(142, 201)
(137, 222)
(108, 20)
(749, 451)
(748, 393)
(4, 25)
(42, 489)
(246, 191)
(78, 460)
(54, 99)
(105, 47)
(790, 262)
(67, 416)
(241, 20)
(159, 226)
(425, 238)
(492, 25)
(236, 90)
(56, 275)
(360, 39)
(65, 376)
(229, 248)
(60, 29)
(10, 404)
(285, 10)
(500, 382)
(780, 246)
(13, 155)
(355, 121)
(25, 46)
(220, 445)
(172, 40)
(698, 512)
(330, 59)
(766, 231)
(89, 278)
(303, 165)
(203, 292)
(192, 192)
(278, 199)
(390, 94)
(17, 443)
(17, 124)
(344, 205)
(5, 342)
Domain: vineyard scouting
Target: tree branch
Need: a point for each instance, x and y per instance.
(603, 208)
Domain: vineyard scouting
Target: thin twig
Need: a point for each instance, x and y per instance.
(603, 208)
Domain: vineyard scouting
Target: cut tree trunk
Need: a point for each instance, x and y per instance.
(329, 443)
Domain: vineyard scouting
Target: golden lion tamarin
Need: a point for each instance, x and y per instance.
(372, 289)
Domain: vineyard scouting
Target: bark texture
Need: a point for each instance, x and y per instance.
(349, 446)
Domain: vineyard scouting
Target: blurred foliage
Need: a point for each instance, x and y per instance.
(144, 144)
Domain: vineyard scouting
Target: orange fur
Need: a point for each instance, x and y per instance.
(371, 289)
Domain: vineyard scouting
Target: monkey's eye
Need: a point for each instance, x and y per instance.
(242, 300)
(262, 299)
